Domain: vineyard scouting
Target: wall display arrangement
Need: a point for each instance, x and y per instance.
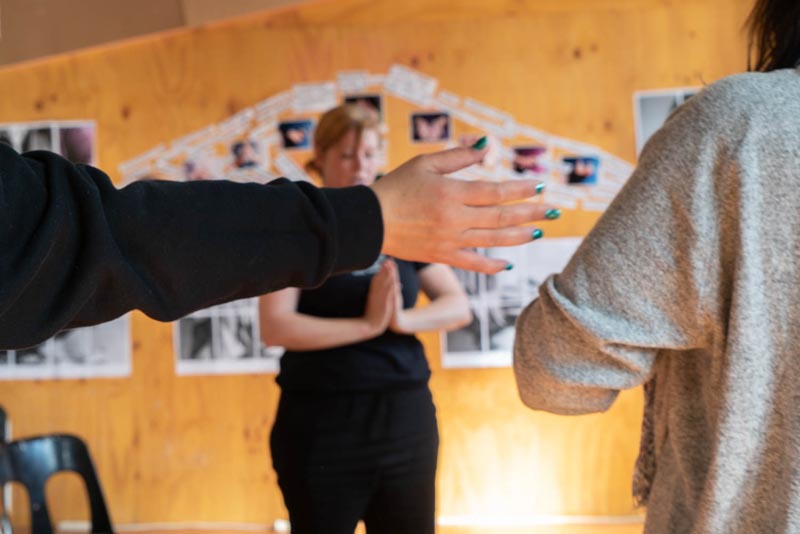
(652, 108)
(99, 351)
(273, 137)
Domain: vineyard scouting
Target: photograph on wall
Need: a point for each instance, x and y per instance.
(75, 140)
(102, 351)
(582, 170)
(652, 108)
(19, 135)
(529, 159)
(430, 127)
(497, 300)
(373, 102)
(91, 352)
(245, 154)
(199, 167)
(38, 138)
(6, 137)
(296, 134)
(223, 339)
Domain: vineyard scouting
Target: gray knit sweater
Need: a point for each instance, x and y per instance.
(692, 278)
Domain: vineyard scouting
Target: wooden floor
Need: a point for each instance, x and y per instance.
(548, 529)
(544, 529)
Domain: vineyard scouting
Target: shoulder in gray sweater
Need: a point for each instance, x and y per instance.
(691, 279)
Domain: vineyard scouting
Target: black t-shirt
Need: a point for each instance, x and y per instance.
(387, 361)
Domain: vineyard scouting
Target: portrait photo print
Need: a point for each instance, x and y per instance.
(430, 127)
(296, 134)
(582, 169)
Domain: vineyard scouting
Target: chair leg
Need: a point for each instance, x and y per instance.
(5, 525)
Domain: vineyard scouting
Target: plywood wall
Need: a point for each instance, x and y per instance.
(195, 448)
(31, 29)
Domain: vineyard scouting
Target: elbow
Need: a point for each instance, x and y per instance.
(464, 315)
(541, 389)
(455, 313)
(529, 399)
(272, 332)
(580, 401)
(463, 319)
(281, 331)
(537, 401)
(530, 393)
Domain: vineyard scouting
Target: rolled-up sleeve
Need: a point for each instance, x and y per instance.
(641, 283)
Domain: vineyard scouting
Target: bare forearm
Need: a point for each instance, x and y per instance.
(447, 312)
(301, 332)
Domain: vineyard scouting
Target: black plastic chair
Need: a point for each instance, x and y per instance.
(5, 522)
(3, 437)
(33, 461)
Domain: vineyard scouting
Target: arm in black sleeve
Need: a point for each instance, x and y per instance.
(76, 251)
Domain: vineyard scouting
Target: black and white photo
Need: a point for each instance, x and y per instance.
(497, 300)
(224, 339)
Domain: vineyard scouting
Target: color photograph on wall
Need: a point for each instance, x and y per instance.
(431, 127)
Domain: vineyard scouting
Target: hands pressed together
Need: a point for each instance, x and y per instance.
(384, 309)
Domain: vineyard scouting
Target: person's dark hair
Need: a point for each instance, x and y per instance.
(774, 30)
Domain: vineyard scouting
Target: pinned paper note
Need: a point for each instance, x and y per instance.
(411, 85)
(314, 97)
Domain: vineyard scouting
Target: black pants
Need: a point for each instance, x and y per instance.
(341, 458)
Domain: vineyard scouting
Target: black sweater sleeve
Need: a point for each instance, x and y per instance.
(76, 251)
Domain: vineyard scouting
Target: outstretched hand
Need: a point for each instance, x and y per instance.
(432, 218)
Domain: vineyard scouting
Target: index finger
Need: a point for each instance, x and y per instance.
(454, 159)
(472, 261)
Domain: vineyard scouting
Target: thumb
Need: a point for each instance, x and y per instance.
(452, 160)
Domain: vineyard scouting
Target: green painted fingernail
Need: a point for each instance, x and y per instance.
(552, 214)
(480, 144)
(537, 234)
(539, 188)
(509, 266)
